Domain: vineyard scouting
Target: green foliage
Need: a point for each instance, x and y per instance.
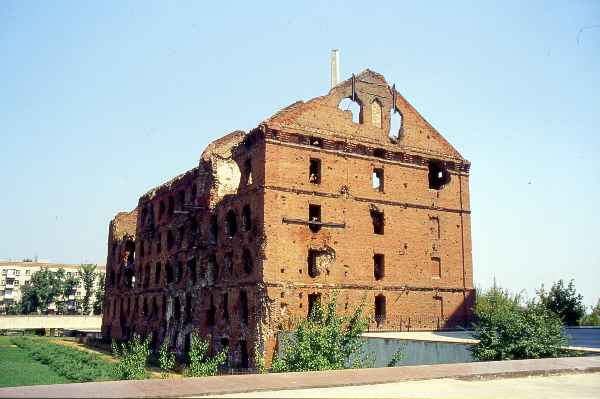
(259, 361)
(166, 359)
(398, 356)
(564, 301)
(99, 296)
(324, 341)
(17, 368)
(592, 319)
(200, 363)
(70, 363)
(132, 357)
(88, 276)
(46, 287)
(507, 329)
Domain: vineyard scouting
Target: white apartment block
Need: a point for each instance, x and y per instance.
(14, 275)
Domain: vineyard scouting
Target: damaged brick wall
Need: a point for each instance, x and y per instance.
(307, 204)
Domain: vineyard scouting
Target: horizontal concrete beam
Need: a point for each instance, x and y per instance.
(70, 322)
(268, 382)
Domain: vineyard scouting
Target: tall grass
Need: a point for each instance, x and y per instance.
(70, 363)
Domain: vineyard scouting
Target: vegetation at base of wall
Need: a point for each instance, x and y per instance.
(75, 365)
(324, 341)
(564, 301)
(200, 364)
(132, 357)
(398, 356)
(259, 360)
(592, 319)
(166, 359)
(508, 329)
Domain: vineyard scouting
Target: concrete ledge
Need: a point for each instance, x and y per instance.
(320, 379)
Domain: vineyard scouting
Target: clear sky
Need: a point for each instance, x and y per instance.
(101, 101)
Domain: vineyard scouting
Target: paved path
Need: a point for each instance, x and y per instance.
(220, 385)
(580, 386)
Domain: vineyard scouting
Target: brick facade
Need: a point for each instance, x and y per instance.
(306, 204)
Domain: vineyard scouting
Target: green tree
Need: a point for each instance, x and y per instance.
(67, 286)
(166, 359)
(564, 301)
(324, 341)
(507, 329)
(592, 319)
(132, 358)
(43, 289)
(99, 295)
(88, 277)
(200, 363)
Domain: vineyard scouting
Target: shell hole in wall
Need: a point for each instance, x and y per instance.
(353, 106)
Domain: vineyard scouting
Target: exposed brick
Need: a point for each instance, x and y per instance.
(226, 248)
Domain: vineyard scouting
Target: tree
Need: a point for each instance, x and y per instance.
(200, 363)
(564, 301)
(46, 287)
(88, 277)
(507, 329)
(592, 319)
(99, 297)
(324, 341)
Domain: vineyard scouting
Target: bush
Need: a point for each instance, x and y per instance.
(200, 363)
(324, 341)
(71, 363)
(592, 319)
(132, 357)
(564, 301)
(508, 330)
(166, 359)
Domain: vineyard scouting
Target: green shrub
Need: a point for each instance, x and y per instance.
(200, 363)
(325, 341)
(166, 359)
(507, 329)
(71, 363)
(132, 357)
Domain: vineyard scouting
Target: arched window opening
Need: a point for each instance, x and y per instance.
(231, 220)
(244, 306)
(171, 208)
(170, 240)
(147, 276)
(177, 308)
(210, 314)
(169, 270)
(188, 307)
(354, 107)
(246, 218)
(225, 306)
(247, 259)
(161, 209)
(380, 310)
(181, 199)
(129, 278)
(228, 262)
(194, 192)
(396, 120)
(376, 114)
(179, 272)
(214, 228)
(154, 309)
(438, 175)
(191, 264)
(157, 274)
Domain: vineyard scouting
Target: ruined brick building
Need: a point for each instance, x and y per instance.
(307, 203)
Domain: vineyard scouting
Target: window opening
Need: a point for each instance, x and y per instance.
(378, 179)
(315, 171)
(314, 215)
(380, 310)
(378, 220)
(378, 266)
(438, 175)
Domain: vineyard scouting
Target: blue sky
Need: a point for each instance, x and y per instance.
(100, 101)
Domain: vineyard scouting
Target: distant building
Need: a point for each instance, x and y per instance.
(14, 275)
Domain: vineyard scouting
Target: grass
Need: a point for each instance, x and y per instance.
(72, 364)
(17, 368)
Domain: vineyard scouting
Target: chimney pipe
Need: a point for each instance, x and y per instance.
(335, 67)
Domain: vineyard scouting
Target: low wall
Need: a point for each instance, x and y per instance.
(416, 352)
(66, 322)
